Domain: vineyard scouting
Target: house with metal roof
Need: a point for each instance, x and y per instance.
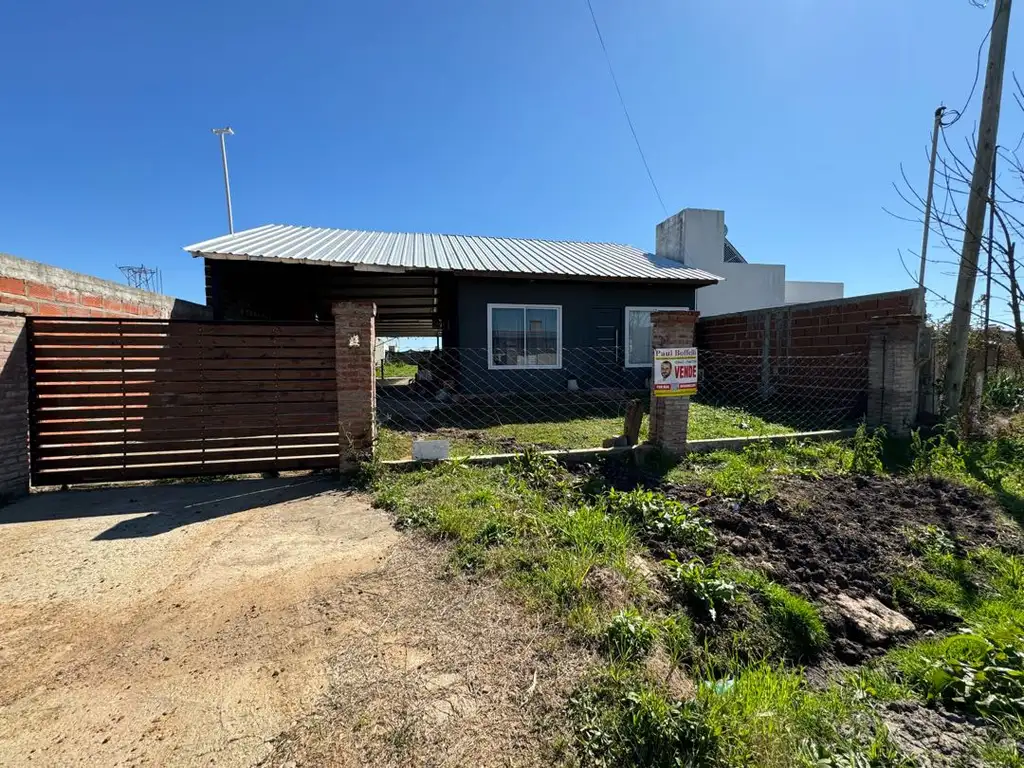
(524, 301)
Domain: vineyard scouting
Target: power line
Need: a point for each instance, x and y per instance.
(625, 111)
(958, 113)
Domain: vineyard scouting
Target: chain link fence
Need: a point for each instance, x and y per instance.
(577, 398)
(785, 393)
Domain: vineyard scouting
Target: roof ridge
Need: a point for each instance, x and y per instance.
(437, 234)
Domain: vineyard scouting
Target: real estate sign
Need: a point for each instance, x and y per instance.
(675, 372)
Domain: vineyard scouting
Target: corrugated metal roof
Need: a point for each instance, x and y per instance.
(455, 253)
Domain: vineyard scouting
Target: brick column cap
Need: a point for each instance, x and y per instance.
(339, 307)
(676, 316)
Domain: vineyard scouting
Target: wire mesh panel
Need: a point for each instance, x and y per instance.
(486, 403)
(577, 399)
(793, 392)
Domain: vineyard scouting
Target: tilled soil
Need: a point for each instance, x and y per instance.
(848, 534)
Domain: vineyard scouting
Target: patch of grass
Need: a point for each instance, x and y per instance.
(762, 716)
(1001, 754)
(794, 619)
(709, 421)
(399, 370)
(677, 638)
(705, 421)
(525, 522)
(751, 473)
(980, 668)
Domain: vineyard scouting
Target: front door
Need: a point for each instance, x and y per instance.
(607, 334)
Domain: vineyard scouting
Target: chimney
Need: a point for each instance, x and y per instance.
(694, 237)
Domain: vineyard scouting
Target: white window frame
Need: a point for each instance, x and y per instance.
(625, 328)
(524, 366)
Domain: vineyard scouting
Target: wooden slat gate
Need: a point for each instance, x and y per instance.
(147, 399)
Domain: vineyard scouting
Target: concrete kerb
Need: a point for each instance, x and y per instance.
(584, 455)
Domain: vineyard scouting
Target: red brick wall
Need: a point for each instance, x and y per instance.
(13, 407)
(35, 298)
(836, 327)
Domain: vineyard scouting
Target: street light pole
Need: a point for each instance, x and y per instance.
(222, 132)
(928, 209)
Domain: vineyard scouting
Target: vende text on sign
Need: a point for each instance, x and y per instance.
(675, 372)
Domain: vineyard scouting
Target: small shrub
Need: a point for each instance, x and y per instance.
(630, 635)
(663, 518)
(703, 586)
(866, 458)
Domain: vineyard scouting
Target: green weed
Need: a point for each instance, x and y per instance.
(867, 447)
(662, 518)
(620, 719)
(630, 635)
(676, 633)
(701, 586)
(987, 679)
(1005, 392)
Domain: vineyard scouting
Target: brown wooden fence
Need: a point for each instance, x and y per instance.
(134, 399)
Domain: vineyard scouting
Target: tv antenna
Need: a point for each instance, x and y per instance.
(143, 277)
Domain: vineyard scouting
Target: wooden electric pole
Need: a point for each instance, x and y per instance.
(988, 127)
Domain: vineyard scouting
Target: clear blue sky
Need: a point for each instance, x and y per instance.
(476, 117)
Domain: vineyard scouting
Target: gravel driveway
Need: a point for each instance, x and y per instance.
(173, 625)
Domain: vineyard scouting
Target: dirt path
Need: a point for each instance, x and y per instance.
(175, 625)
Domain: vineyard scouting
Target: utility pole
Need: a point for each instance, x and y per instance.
(928, 208)
(222, 132)
(988, 270)
(988, 127)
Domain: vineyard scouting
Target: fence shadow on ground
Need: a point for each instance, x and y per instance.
(158, 509)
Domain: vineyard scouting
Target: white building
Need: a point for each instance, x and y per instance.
(696, 237)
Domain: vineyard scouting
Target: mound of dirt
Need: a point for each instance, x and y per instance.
(847, 535)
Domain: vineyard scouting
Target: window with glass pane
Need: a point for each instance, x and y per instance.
(542, 337)
(524, 337)
(638, 337)
(638, 334)
(508, 345)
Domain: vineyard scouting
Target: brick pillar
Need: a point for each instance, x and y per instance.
(14, 467)
(354, 342)
(670, 415)
(892, 373)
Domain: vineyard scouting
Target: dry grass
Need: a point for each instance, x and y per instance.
(441, 671)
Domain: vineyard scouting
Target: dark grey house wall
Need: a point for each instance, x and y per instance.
(593, 340)
(593, 315)
(588, 308)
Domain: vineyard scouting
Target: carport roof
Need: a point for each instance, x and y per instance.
(401, 251)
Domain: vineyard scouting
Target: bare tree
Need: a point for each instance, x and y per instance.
(948, 224)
